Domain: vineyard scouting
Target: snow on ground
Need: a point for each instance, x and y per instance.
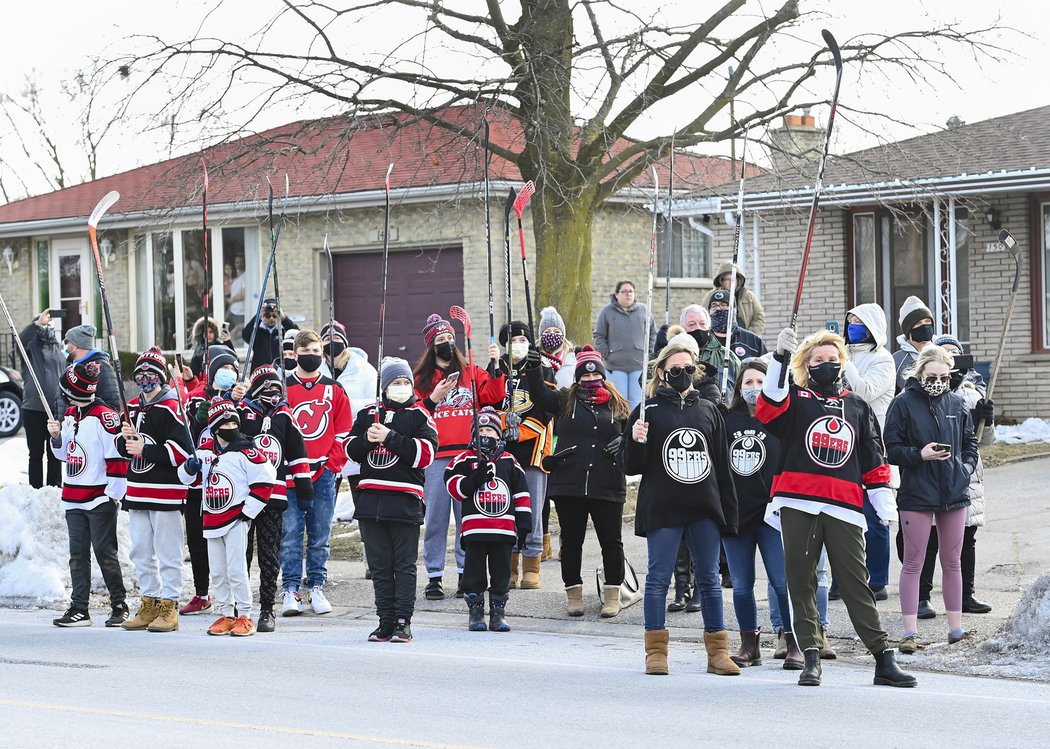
(1030, 430)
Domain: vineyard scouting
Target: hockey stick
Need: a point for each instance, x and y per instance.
(207, 300)
(738, 239)
(488, 237)
(382, 299)
(512, 197)
(275, 237)
(96, 215)
(818, 186)
(1007, 241)
(670, 238)
(649, 303)
(25, 358)
(183, 398)
(331, 302)
(527, 191)
(458, 313)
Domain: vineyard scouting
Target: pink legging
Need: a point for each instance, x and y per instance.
(916, 528)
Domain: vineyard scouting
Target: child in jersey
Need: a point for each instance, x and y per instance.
(94, 483)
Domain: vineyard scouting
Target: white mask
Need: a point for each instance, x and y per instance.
(399, 393)
(518, 350)
(750, 395)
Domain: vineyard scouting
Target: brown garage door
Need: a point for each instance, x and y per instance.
(420, 282)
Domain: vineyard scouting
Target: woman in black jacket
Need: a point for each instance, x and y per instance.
(584, 478)
(678, 444)
(929, 434)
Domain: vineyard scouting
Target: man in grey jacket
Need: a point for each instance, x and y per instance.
(619, 336)
(45, 356)
(80, 349)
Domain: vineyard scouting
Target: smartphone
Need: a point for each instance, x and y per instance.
(57, 314)
(833, 326)
(943, 447)
(452, 377)
(225, 328)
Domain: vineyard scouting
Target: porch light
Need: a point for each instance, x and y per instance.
(992, 217)
(9, 257)
(106, 247)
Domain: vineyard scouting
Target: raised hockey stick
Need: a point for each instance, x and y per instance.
(274, 238)
(488, 238)
(670, 238)
(25, 358)
(458, 313)
(382, 298)
(96, 215)
(649, 296)
(738, 240)
(526, 192)
(1007, 241)
(209, 309)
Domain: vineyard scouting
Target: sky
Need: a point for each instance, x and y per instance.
(51, 46)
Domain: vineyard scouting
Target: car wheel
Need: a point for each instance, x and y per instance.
(10, 414)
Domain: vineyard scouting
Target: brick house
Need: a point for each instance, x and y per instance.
(152, 239)
(919, 216)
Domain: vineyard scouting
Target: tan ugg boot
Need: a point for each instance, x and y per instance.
(610, 601)
(147, 613)
(548, 551)
(574, 594)
(656, 652)
(530, 580)
(718, 660)
(515, 564)
(167, 619)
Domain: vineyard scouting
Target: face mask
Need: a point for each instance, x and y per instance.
(921, 333)
(270, 397)
(518, 350)
(551, 341)
(228, 434)
(67, 351)
(702, 337)
(591, 384)
(489, 445)
(934, 387)
(289, 363)
(719, 320)
(225, 379)
(445, 350)
(147, 382)
(334, 349)
(309, 362)
(826, 374)
(955, 380)
(680, 381)
(399, 393)
(856, 332)
(750, 395)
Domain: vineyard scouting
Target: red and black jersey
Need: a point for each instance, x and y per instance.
(454, 416)
(236, 483)
(397, 464)
(500, 508)
(94, 471)
(321, 411)
(275, 435)
(153, 481)
(754, 454)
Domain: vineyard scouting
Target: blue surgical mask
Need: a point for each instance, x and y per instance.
(856, 332)
(225, 379)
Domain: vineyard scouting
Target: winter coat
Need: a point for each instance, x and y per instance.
(108, 392)
(746, 344)
(45, 355)
(915, 420)
(749, 311)
(454, 416)
(359, 379)
(870, 371)
(903, 360)
(753, 456)
(971, 391)
(715, 354)
(619, 335)
(153, 481)
(268, 343)
(589, 470)
(684, 464)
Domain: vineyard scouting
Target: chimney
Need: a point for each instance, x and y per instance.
(796, 144)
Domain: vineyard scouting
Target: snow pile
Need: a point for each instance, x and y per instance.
(1031, 430)
(1029, 628)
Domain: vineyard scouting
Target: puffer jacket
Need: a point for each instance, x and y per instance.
(915, 420)
(870, 370)
(971, 391)
(749, 311)
(619, 335)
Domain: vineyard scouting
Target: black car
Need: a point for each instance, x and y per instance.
(10, 401)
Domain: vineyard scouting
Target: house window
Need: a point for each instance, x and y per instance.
(865, 259)
(690, 250)
(1044, 276)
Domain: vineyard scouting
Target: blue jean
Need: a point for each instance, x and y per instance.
(823, 584)
(536, 480)
(317, 525)
(740, 553)
(629, 385)
(703, 539)
(876, 548)
(440, 507)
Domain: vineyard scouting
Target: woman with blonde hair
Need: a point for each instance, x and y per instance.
(830, 456)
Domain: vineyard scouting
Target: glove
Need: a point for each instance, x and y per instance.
(202, 413)
(477, 478)
(532, 359)
(787, 341)
(305, 505)
(194, 465)
(984, 411)
(882, 500)
(523, 535)
(511, 434)
(554, 460)
(614, 446)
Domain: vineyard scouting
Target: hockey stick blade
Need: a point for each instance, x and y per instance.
(103, 205)
(458, 313)
(512, 198)
(522, 200)
(389, 171)
(833, 47)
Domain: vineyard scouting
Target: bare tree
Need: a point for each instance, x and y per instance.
(579, 76)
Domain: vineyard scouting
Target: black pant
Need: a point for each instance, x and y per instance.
(608, 523)
(35, 423)
(267, 529)
(487, 565)
(391, 552)
(196, 542)
(546, 515)
(94, 529)
(968, 560)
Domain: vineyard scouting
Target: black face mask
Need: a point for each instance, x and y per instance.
(680, 382)
(309, 362)
(955, 379)
(489, 446)
(289, 363)
(445, 350)
(825, 375)
(228, 434)
(922, 333)
(335, 349)
(701, 337)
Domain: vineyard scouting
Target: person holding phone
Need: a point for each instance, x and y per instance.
(929, 434)
(48, 362)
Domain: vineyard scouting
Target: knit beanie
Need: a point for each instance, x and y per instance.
(549, 318)
(489, 417)
(434, 327)
(80, 381)
(263, 376)
(719, 295)
(339, 331)
(686, 341)
(912, 311)
(392, 368)
(589, 360)
(222, 410)
(948, 340)
(82, 336)
(514, 328)
(289, 340)
(152, 360)
(218, 357)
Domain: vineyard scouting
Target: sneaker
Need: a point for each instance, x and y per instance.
(74, 618)
(402, 630)
(318, 602)
(197, 605)
(118, 616)
(222, 626)
(382, 633)
(243, 626)
(908, 645)
(954, 637)
(293, 603)
(267, 621)
(434, 591)
(881, 594)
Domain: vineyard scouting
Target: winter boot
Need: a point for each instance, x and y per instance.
(810, 676)
(497, 611)
(718, 660)
(515, 566)
(692, 606)
(749, 654)
(476, 612)
(656, 652)
(888, 674)
(548, 550)
(610, 601)
(574, 594)
(530, 580)
(459, 586)
(794, 660)
(267, 621)
(681, 580)
(167, 619)
(434, 591)
(147, 612)
(782, 650)
(827, 652)
(118, 615)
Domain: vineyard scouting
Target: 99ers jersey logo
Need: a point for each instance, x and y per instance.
(218, 494)
(685, 455)
(747, 454)
(270, 447)
(830, 441)
(312, 418)
(138, 463)
(381, 457)
(493, 499)
(76, 459)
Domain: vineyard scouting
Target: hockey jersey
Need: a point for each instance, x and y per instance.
(94, 471)
(321, 411)
(275, 435)
(397, 464)
(500, 508)
(236, 481)
(454, 416)
(520, 405)
(153, 481)
(753, 457)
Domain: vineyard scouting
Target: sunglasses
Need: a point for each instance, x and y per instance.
(676, 370)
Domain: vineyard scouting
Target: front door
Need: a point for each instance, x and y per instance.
(71, 281)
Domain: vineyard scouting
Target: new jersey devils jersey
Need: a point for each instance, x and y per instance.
(94, 471)
(321, 411)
